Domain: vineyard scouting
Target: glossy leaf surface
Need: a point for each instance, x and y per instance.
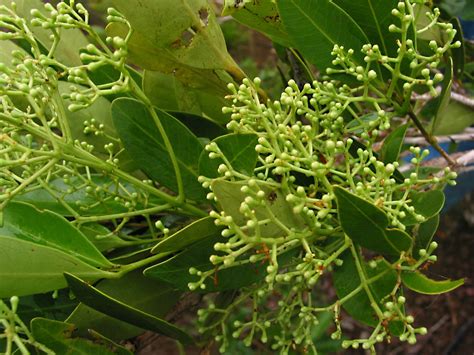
(145, 144)
(184, 32)
(420, 283)
(454, 118)
(102, 302)
(201, 229)
(25, 222)
(367, 225)
(28, 268)
(373, 17)
(133, 289)
(425, 232)
(347, 279)
(315, 26)
(392, 145)
(190, 94)
(230, 197)
(426, 203)
(102, 237)
(239, 150)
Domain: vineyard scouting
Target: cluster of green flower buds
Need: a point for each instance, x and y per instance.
(304, 149)
(64, 15)
(422, 67)
(313, 139)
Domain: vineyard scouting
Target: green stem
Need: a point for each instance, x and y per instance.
(139, 264)
(431, 139)
(62, 116)
(174, 161)
(90, 160)
(364, 282)
(146, 211)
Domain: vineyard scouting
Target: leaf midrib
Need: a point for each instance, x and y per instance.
(375, 224)
(314, 23)
(377, 24)
(32, 238)
(160, 144)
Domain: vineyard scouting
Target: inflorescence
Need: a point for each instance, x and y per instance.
(314, 138)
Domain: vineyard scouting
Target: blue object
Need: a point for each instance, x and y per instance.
(465, 181)
(467, 28)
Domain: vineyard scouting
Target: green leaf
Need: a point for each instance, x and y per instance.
(420, 283)
(201, 229)
(239, 150)
(374, 17)
(46, 228)
(426, 203)
(106, 342)
(392, 145)
(59, 337)
(102, 238)
(100, 111)
(27, 268)
(175, 271)
(6, 49)
(425, 232)
(133, 289)
(58, 193)
(347, 279)
(454, 118)
(202, 127)
(461, 8)
(367, 225)
(435, 33)
(458, 54)
(184, 32)
(443, 100)
(230, 197)
(49, 305)
(100, 301)
(143, 141)
(315, 26)
(361, 124)
(262, 16)
(198, 95)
